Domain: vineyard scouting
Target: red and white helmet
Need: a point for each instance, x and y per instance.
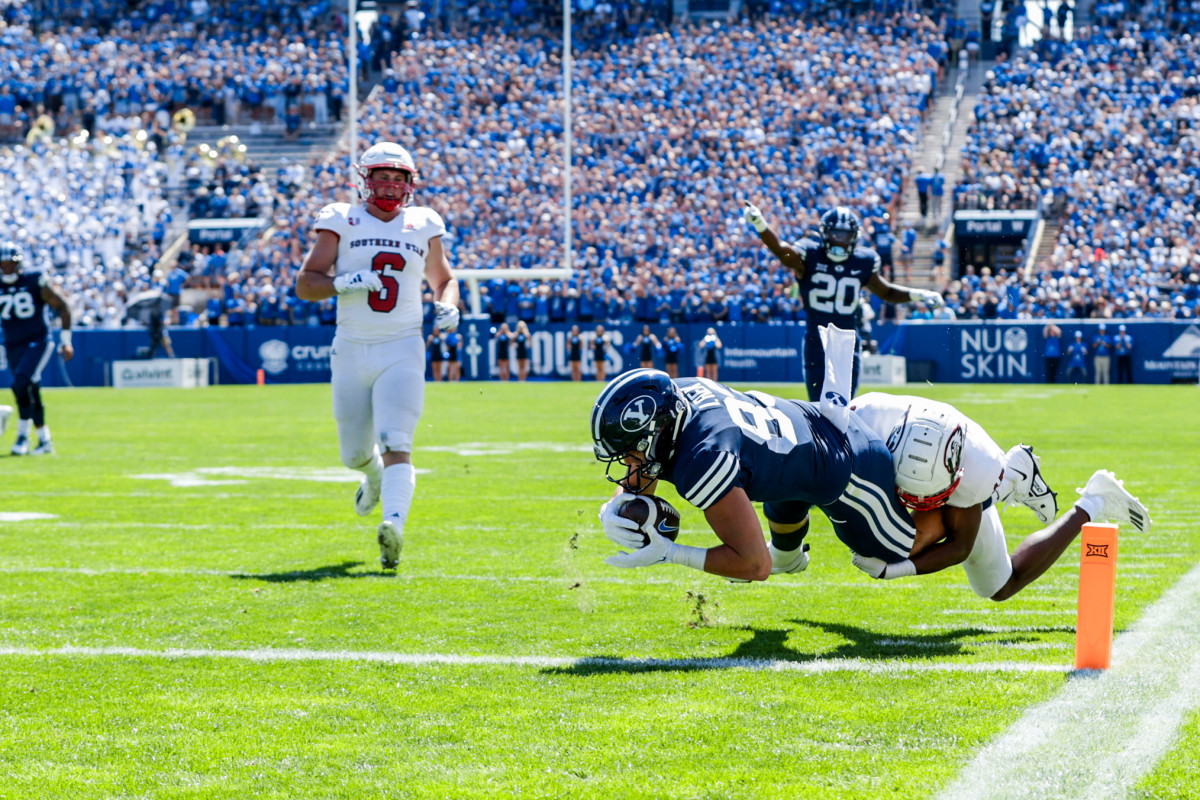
(927, 453)
(386, 195)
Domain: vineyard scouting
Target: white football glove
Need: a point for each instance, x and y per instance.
(447, 316)
(755, 217)
(931, 299)
(620, 531)
(366, 280)
(658, 551)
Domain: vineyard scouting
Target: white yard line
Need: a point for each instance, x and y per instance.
(882, 667)
(1100, 735)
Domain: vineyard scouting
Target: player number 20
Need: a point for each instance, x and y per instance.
(831, 294)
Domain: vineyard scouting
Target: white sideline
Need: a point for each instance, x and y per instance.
(1106, 729)
(882, 667)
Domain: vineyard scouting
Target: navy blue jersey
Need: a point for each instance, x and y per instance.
(831, 289)
(786, 455)
(24, 315)
(774, 449)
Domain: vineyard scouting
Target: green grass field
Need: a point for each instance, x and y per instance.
(200, 614)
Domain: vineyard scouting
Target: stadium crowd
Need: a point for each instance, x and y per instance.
(796, 115)
(226, 62)
(1110, 155)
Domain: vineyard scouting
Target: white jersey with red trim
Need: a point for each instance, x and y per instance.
(397, 250)
(982, 460)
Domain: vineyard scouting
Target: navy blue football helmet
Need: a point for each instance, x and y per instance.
(641, 411)
(10, 254)
(839, 232)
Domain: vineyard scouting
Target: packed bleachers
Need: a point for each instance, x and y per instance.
(226, 62)
(721, 117)
(673, 127)
(1110, 155)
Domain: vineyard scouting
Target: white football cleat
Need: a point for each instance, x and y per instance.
(45, 447)
(21, 446)
(391, 541)
(5, 413)
(1119, 504)
(1030, 488)
(785, 561)
(367, 497)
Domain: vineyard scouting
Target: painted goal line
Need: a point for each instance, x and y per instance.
(583, 664)
(1105, 730)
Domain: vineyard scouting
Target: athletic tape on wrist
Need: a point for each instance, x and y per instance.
(693, 557)
(904, 569)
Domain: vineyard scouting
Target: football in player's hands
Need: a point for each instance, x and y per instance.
(650, 512)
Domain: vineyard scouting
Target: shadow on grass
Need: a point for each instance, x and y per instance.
(343, 570)
(768, 647)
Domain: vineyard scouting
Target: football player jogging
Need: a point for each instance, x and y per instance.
(725, 450)
(953, 476)
(25, 302)
(373, 256)
(832, 271)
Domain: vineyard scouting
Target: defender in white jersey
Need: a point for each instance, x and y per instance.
(951, 474)
(374, 256)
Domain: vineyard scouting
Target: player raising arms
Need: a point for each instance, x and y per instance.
(832, 272)
(24, 300)
(374, 256)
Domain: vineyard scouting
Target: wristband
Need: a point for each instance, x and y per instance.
(693, 557)
(64, 336)
(903, 569)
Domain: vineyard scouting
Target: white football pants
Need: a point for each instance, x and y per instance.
(378, 396)
(989, 566)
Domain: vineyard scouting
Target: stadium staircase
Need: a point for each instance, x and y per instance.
(268, 145)
(941, 147)
(1047, 241)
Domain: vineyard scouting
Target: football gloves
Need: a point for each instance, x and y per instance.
(755, 217)
(447, 316)
(658, 551)
(931, 299)
(620, 531)
(362, 281)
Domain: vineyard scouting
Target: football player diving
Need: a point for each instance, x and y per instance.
(832, 271)
(952, 476)
(725, 450)
(26, 298)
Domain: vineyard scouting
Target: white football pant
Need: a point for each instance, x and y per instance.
(378, 396)
(989, 567)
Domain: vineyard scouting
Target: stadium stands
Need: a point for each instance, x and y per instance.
(673, 125)
(1110, 155)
